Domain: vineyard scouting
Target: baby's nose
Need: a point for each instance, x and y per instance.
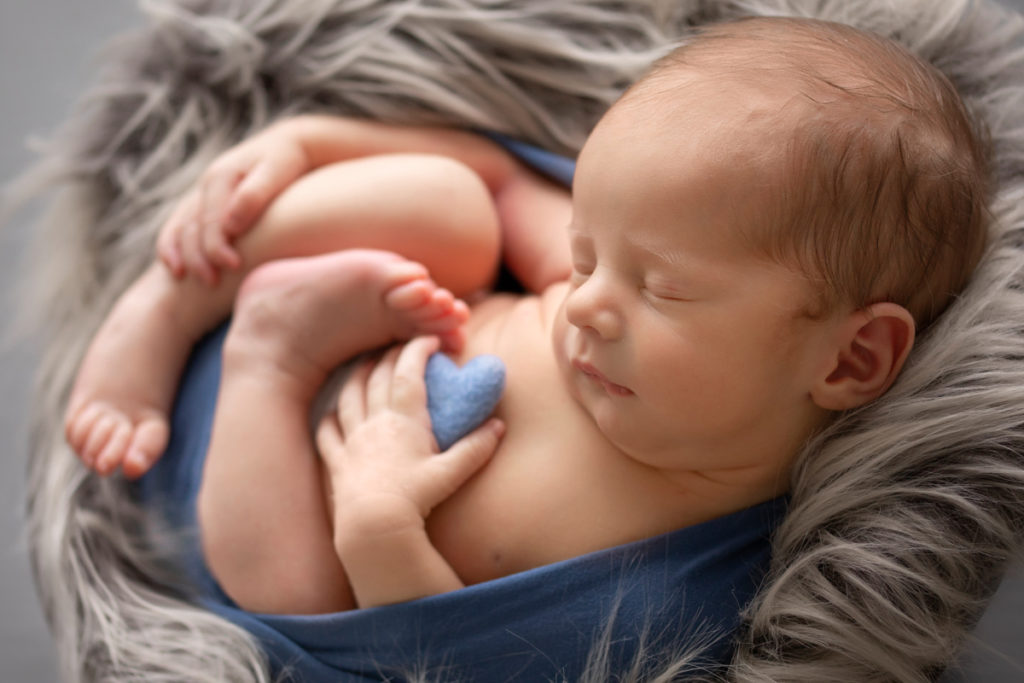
(594, 307)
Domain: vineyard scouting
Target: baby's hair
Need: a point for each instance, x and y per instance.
(881, 178)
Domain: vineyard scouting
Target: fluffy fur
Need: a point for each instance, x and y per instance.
(904, 514)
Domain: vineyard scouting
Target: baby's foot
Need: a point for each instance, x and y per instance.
(421, 307)
(308, 315)
(117, 413)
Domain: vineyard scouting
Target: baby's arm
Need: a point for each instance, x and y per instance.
(241, 183)
(386, 475)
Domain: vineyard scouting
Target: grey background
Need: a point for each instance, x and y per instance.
(47, 48)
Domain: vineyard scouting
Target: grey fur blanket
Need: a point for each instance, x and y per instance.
(903, 515)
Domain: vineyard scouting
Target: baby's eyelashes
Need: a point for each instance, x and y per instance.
(661, 292)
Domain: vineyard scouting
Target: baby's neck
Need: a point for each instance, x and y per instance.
(703, 491)
(705, 495)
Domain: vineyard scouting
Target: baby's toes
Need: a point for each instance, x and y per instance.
(445, 323)
(78, 424)
(440, 306)
(114, 451)
(409, 296)
(407, 271)
(460, 311)
(103, 428)
(441, 303)
(453, 341)
(146, 447)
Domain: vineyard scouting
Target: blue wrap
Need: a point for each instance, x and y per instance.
(558, 168)
(533, 626)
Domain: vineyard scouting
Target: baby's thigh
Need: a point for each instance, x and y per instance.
(428, 208)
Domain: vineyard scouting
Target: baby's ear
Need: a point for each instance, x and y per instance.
(873, 343)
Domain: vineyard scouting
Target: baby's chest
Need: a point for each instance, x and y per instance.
(524, 509)
(555, 488)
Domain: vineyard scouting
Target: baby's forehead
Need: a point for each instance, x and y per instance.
(731, 111)
(743, 127)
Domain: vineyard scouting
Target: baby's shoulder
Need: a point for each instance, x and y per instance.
(487, 309)
(535, 312)
(501, 323)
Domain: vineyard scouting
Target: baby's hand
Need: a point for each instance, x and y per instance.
(228, 199)
(383, 461)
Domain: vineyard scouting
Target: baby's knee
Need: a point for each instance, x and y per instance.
(464, 195)
(443, 175)
(459, 217)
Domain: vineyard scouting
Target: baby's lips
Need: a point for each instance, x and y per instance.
(609, 386)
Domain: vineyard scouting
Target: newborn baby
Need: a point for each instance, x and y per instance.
(756, 230)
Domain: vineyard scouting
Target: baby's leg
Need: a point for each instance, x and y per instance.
(264, 520)
(430, 209)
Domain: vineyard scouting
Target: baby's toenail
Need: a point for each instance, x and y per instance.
(136, 458)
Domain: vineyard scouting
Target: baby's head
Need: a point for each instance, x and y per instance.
(759, 227)
(872, 179)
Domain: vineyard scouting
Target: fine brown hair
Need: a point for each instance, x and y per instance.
(885, 176)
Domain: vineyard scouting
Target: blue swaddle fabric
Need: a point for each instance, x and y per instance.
(555, 166)
(532, 626)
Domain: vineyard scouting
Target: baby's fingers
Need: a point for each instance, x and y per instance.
(408, 388)
(168, 243)
(194, 257)
(218, 250)
(251, 195)
(352, 398)
(451, 469)
(219, 183)
(216, 197)
(378, 387)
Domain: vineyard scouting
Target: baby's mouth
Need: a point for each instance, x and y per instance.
(595, 375)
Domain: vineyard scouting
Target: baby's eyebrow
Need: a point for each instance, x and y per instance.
(653, 252)
(678, 264)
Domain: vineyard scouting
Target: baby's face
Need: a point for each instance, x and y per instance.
(684, 345)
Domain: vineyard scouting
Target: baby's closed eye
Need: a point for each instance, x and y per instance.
(664, 291)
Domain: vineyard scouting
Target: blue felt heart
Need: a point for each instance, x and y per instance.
(460, 399)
